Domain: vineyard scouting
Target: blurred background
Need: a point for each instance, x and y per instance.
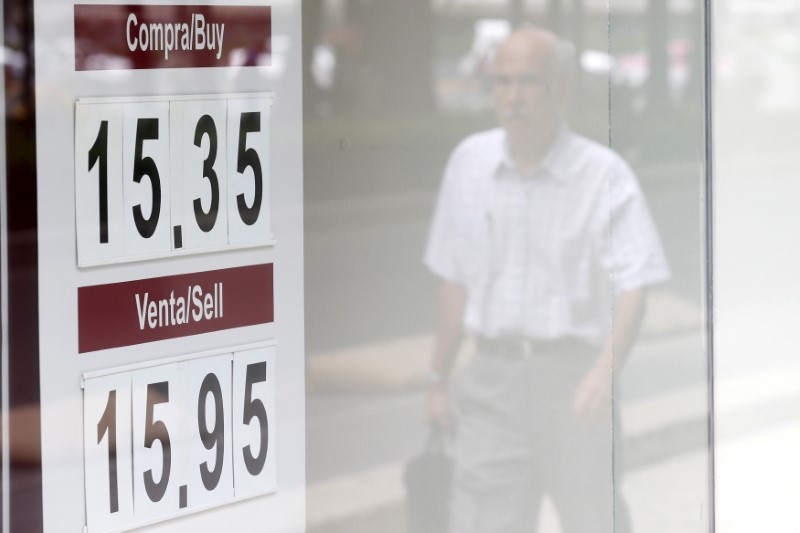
(756, 261)
(390, 88)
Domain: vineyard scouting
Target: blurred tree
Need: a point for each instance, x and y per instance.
(386, 61)
(578, 25)
(697, 54)
(555, 16)
(313, 11)
(516, 12)
(657, 51)
(387, 64)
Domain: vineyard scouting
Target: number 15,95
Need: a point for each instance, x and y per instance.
(157, 177)
(178, 437)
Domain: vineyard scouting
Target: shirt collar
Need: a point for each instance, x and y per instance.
(553, 163)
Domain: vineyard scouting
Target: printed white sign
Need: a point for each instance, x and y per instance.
(193, 176)
(169, 238)
(179, 436)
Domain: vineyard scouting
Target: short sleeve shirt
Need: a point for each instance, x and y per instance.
(542, 255)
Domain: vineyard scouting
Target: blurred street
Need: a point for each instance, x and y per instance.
(376, 417)
(369, 340)
(375, 156)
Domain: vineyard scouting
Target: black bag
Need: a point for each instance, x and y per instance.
(428, 479)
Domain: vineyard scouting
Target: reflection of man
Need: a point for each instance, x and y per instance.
(544, 246)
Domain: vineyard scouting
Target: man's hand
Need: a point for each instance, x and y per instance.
(439, 413)
(593, 395)
(451, 302)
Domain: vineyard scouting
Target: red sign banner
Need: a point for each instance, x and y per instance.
(141, 311)
(122, 37)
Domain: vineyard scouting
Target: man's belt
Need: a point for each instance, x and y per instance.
(523, 347)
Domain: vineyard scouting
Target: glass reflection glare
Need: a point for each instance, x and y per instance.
(539, 385)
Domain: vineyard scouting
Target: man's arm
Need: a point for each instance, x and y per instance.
(452, 299)
(594, 390)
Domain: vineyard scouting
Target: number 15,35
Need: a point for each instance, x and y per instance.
(156, 177)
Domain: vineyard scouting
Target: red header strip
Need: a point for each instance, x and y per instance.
(136, 312)
(121, 37)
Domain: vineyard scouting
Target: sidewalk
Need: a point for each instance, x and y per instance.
(374, 500)
(658, 490)
(402, 364)
(666, 492)
(666, 435)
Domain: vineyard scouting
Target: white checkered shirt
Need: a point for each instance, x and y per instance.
(542, 256)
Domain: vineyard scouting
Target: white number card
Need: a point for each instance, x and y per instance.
(145, 154)
(98, 177)
(160, 177)
(211, 478)
(107, 452)
(254, 421)
(178, 436)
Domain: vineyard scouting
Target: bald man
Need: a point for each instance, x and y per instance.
(544, 247)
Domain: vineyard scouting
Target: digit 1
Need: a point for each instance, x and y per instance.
(108, 424)
(99, 152)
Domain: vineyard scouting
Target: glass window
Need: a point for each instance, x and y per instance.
(506, 236)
